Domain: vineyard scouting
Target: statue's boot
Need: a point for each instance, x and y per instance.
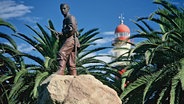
(73, 71)
(62, 67)
(60, 72)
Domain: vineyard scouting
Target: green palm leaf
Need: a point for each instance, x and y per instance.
(37, 33)
(170, 19)
(4, 23)
(10, 64)
(181, 73)
(35, 58)
(39, 78)
(12, 42)
(20, 74)
(45, 36)
(175, 82)
(4, 78)
(168, 6)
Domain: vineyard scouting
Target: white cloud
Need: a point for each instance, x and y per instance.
(108, 33)
(104, 58)
(104, 40)
(30, 19)
(22, 47)
(175, 3)
(25, 48)
(102, 55)
(10, 9)
(178, 3)
(89, 55)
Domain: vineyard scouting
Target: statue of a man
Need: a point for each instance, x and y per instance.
(67, 53)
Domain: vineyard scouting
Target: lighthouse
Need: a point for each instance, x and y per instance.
(120, 45)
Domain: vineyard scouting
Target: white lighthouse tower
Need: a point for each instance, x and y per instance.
(120, 45)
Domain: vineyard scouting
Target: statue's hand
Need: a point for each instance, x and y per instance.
(57, 34)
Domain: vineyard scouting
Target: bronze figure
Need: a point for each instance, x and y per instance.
(67, 53)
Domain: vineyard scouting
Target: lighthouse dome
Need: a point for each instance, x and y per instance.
(122, 28)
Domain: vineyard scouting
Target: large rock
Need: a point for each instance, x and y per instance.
(82, 89)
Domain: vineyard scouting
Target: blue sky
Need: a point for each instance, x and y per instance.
(102, 14)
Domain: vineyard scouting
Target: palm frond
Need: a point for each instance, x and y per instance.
(88, 35)
(39, 78)
(170, 19)
(19, 75)
(174, 84)
(10, 64)
(161, 95)
(4, 78)
(141, 27)
(37, 33)
(93, 50)
(171, 8)
(46, 36)
(146, 24)
(7, 37)
(4, 23)
(181, 73)
(35, 58)
(53, 34)
(132, 86)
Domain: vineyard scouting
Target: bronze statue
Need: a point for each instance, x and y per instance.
(67, 53)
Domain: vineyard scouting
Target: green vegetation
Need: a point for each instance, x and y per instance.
(156, 70)
(154, 75)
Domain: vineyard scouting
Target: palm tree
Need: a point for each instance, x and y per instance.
(8, 59)
(156, 74)
(12, 70)
(10, 63)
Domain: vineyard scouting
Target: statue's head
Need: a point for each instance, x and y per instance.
(64, 9)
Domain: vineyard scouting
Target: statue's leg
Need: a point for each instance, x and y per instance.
(64, 54)
(72, 64)
(62, 62)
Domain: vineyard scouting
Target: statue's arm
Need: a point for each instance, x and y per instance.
(71, 26)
